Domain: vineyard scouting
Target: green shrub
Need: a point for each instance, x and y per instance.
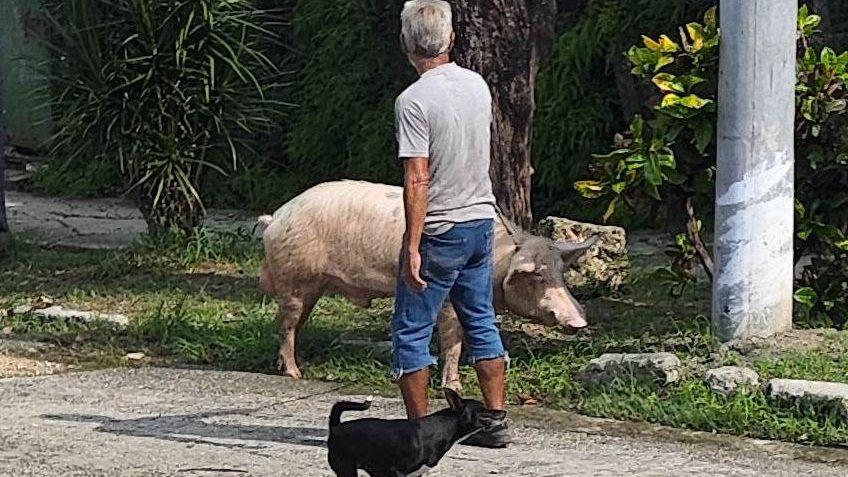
(167, 89)
(669, 153)
(580, 98)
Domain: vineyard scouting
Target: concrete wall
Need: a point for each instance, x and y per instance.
(20, 58)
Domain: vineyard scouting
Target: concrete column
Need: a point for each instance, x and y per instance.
(752, 289)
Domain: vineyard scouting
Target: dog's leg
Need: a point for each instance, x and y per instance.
(341, 466)
(450, 338)
(293, 312)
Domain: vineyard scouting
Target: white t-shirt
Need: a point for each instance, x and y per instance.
(446, 116)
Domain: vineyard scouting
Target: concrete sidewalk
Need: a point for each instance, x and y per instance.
(93, 223)
(169, 422)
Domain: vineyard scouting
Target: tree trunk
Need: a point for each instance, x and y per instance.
(503, 40)
(173, 210)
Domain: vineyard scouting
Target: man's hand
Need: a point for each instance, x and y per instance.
(412, 271)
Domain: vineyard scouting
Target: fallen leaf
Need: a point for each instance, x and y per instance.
(527, 400)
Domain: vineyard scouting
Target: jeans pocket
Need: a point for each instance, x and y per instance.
(488, 242)
(445, 255)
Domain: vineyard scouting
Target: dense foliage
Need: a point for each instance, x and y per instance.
(165, 89)
(585, 93)
(347, 70)
(668, 154)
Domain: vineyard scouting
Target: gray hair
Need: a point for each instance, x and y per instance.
(426, 28)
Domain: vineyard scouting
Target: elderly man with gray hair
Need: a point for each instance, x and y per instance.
(443, 124)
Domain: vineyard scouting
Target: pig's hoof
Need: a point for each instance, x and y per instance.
(293, 373)
(285, 371)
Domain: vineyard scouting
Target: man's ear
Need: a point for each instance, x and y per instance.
(454, 400)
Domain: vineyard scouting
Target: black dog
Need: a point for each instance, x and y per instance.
(401, 447)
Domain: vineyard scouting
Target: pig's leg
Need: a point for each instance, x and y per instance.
(450, 338)
(308, 306)
(293, 311)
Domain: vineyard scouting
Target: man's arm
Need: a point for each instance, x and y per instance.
(416, 185)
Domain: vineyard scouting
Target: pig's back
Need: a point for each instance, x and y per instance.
(346, 233)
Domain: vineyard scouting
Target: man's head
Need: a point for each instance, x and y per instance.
(426, 30)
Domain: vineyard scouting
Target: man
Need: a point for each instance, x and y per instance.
(443, 125)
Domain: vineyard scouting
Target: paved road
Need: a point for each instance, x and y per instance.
(168, 422)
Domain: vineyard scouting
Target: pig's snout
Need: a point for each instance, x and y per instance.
(576, 323)
(572, 324)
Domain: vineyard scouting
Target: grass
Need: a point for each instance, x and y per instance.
(193, 299)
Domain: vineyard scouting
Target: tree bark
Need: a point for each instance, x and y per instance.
(503, 40)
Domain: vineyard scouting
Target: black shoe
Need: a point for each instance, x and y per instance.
(497, 438)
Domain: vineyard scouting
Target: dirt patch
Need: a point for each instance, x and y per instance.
(795, 340)
(14, 366)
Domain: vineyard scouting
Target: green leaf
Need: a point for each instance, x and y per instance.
(799, 209)
(651, 44)
(638, 158)
(812, 22)
(666, 160)
(590, 189)
(670, 99)
(808, 109)
(710, 20)
(690, 81)
(828, 57)
(694, 101)
(697, 34)
(654, 192)
(667, 45)
(619, 187)
(806, 296)
(653, 174)
(803, 12)
(663, 61)
(666, 83)
(637, 126)
(836, 105)
(704, 135)
(612, 155)
(610, 209)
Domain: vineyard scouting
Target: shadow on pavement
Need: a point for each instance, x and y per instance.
(197, 429)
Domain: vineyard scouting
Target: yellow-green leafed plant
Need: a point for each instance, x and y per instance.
(667, 156)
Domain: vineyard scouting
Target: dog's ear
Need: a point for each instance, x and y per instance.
(454, 400)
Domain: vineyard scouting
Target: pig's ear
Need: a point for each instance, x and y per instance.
(519, 264)
(571, 251)
(454, 400)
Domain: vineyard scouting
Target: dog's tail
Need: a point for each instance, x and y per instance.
(342, 406)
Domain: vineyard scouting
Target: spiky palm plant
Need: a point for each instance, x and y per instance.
(167, 88)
